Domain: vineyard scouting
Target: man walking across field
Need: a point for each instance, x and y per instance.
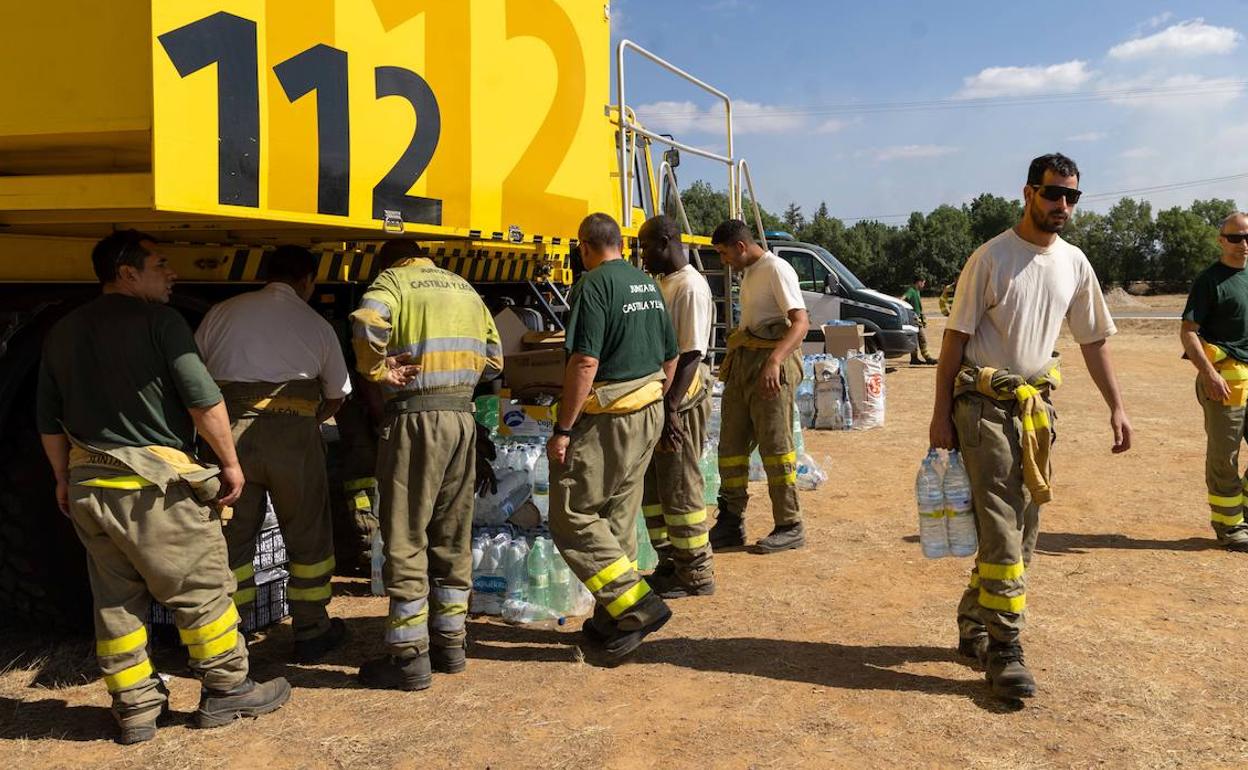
(914, 296)
(997, 369)
(1215, 339)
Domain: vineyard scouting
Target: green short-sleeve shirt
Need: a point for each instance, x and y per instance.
(619, 318)
(122, 370)
(1218, 303)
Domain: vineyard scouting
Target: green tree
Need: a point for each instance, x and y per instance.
(947, 241)
(990, 215)
(1213, 211)
(1130, 242)
(705, 207)
(1088, 230)
(794, 221)
(1188, 243)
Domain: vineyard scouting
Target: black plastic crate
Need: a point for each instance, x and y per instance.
(270, 550)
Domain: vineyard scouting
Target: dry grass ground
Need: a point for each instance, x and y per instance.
(837, 655)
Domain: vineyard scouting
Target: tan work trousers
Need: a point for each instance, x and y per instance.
(1007, 520)
(142, 544)
(426, 472)
(594, 498)
(1224, 433)
(673, 501)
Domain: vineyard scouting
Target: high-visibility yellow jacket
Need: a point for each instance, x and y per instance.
(438, 318)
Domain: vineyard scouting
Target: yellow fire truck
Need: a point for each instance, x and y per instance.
(487, 129)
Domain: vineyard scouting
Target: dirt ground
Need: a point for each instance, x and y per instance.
(840, 654)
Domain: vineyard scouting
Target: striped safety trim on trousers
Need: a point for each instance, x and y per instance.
(1014, 604)
(244, 596)
(128, 677)
(690, 543)
(625, 601)
(135, 640)
(321, 593)
(989, 571)
(685, 519)
(609, 573)
(408, 621)
(210, 631)
(450, 609)
(245, 572)
(320, 568)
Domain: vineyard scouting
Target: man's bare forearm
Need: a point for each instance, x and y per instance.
(952, 348)
(213, 423)
(1195, 350)
(799, 324)
(686, 367)
(56, 447)
(1101, 367)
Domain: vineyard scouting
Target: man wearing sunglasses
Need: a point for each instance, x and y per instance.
(997, 368)
(1215, 339)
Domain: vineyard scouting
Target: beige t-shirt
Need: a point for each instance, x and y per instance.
(688, 298)
(769, 290)
(1013, 295)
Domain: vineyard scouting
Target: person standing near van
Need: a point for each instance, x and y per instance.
(913, 295)
(993, 383)
(761, 372)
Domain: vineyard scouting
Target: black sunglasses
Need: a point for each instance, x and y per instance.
(1234, 237)
(1051, 192)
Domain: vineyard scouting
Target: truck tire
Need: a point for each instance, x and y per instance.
(43, 571)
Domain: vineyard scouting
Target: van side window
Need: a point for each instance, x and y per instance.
(811, 274)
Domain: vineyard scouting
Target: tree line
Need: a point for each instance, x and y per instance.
(1126, 245)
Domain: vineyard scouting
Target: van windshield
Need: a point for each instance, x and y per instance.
(848, 278)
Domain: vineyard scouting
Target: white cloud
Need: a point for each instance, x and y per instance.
(747, 118)
(1088, 136)
(1187, 38)
(1025, 81)
(1158, 20)
(910, 152)
(1138, 153)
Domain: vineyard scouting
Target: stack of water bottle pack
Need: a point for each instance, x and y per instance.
(524, 582)
(946, 519)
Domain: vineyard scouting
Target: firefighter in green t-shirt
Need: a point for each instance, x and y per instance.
(919, 356)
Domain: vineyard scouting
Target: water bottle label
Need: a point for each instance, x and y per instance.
(538, 581)
(489, 584)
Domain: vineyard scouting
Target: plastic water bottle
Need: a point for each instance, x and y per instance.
(647, 557)
(930, 496)
(959, 513)
(809, 474)
(712, 425)
(799, 441)
(489, 584)
(377, 584)
(538, 565)
(516, 611)
(806, 403)
(710, 475)
(516, 569)
(848, 413)
(541, 484)
(562, 593)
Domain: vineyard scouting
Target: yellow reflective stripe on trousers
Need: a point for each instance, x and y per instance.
(689, 543)
(989, 571)
(212, 649)
(1229, 521)
(244, 572)
(118, 482)
(1226, 502)
(783, 480)
(685, 519)
(789, 457)
(732, 482)
(734, 460)
(128, 677)
(657, 533)
(609, 573)
(627, 599)
(322, 567)
(974, 582)
(363, 483)
(319, 593)
(651, 510)
(244, 596)
(1013, 604)
(210, 631)
(134, 640)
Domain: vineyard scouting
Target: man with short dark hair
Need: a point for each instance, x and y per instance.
(919, 356)
(281, 369)
(424, 335)
(621, 357)
(122, 391)
(997, 369)
(1215, 339)
(673, 501)
(761, 372)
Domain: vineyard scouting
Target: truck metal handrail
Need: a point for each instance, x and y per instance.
(629, 128)
(743, 171)
(667, 174)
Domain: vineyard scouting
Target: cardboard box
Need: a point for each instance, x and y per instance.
(839, 340)
(534, 372)
(511, 331)
(543, 340)
(516, 419)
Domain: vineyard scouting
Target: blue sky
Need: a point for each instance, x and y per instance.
(886, 108)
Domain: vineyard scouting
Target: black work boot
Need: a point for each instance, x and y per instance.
(599, 627)
(312, 650)
(975, 648)
(249, 699)
(621, 643)
(782, 538)
(673, 587)
(728, 532)
(392, 673)
(448, 660)
(1007, 673)
(132, 731)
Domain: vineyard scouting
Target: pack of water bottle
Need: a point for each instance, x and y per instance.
(524, 582)
(522, 470)
(942, 492)
(822, 396)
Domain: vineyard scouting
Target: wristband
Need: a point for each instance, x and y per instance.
(562, 431)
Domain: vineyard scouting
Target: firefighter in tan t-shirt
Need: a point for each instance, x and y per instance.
(997, 368)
